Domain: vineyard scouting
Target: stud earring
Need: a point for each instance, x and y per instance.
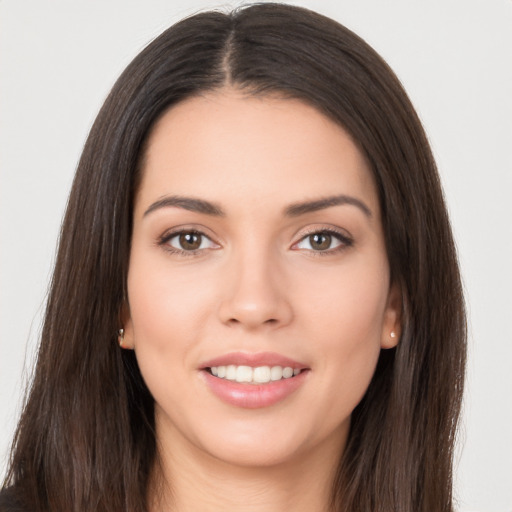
(393, 334)
(120, 338)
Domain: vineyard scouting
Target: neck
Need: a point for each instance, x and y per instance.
(187, 480)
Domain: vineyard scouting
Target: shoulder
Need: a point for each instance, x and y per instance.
(10, 502)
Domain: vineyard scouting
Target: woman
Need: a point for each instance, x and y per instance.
(256, 302)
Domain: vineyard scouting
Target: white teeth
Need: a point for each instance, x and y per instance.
(276, 373)
(261, 374)
(258, 375)
(287, 372)
(243, 374)
(231, 372)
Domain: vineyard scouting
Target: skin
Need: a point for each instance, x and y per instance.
(258, 283)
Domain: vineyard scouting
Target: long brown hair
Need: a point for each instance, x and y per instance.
(86, 440)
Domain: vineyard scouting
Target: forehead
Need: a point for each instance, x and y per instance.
(247, 150)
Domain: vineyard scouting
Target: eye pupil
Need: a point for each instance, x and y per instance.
(190, 241)
(320, 241)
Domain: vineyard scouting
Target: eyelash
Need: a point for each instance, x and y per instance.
(345, 241)
(164, 240)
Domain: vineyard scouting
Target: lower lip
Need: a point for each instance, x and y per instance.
(253, 396)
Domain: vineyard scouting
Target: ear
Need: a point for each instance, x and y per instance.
(127, 340)
(392, 323)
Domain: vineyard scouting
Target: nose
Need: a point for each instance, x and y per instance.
(255, 293)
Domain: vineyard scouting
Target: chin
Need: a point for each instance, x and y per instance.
(260, 444)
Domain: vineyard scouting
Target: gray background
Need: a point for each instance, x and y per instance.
(58, 59)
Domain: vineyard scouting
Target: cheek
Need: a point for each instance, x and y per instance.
(349, 303)
(345, 312)
(170, 310)
(164, 301)
(165, 315)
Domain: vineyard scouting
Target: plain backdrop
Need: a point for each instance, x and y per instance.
(58, 60)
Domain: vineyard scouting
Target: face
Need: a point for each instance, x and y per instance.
(258, 287)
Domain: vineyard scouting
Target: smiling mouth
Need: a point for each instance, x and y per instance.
(253, 375)
(254, 380)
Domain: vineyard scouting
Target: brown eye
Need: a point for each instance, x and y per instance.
(324, 241)
(320, 241)
(190, 241)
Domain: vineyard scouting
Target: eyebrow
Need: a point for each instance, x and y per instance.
(187, 203)
(296, 209)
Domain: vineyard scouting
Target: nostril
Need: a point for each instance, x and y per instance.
(250, 309)
(269, 321)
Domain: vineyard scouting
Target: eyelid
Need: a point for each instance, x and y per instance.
(164, 238)
(340, 234)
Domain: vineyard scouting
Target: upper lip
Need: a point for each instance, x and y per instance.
(254, 360)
